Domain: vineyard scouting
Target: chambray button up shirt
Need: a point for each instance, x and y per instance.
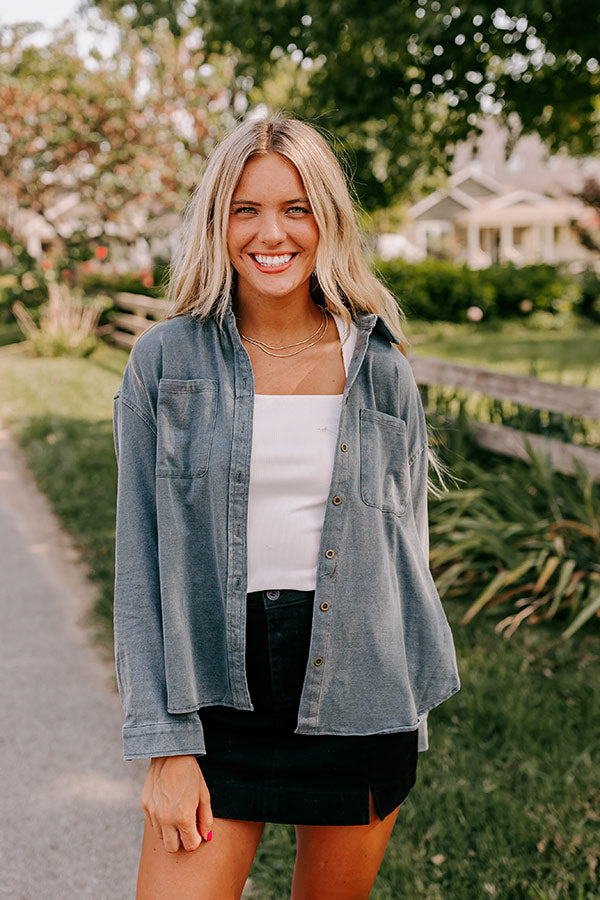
(381, 652)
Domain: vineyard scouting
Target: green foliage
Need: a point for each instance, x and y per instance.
(515, 537)
(65, 344)
(100, 152)
(401, 82)
(21, 280)
(440, 290)
(590, 295)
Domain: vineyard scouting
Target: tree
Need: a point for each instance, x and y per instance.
(120, 140)
(400, 82)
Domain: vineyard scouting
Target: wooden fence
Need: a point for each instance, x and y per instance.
(572, 401)
(138, 312)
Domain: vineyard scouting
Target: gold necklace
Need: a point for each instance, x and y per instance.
(313, 338)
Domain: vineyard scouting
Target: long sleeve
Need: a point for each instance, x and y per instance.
(149, 729)
(419, 471)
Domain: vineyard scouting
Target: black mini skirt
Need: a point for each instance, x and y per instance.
(259, 770)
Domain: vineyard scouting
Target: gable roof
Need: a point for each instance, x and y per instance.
(467, 189)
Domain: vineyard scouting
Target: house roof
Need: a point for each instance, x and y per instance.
(463, 196)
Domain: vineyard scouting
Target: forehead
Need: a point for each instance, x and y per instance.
(270, 172)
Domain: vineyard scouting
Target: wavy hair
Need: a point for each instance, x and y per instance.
(202, 276)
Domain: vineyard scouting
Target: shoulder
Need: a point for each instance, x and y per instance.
(160, 335)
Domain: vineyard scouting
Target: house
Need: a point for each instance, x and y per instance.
(480, 220)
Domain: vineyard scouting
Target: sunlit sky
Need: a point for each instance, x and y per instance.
(49, 12)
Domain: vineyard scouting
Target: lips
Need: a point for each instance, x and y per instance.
(267, 262)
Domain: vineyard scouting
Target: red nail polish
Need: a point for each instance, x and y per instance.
(209, 835)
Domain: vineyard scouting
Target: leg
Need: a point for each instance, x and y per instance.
(340, 862)
(215, 871)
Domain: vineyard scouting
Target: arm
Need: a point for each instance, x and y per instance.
(175, 799)
(149, 730)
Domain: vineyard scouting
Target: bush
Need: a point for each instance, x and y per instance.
(517, 539)
(440, 290)
(23, 280)
(589, 304)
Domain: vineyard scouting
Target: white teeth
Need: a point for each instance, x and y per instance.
(272, 260)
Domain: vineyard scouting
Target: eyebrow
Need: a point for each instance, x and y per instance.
(255, 203)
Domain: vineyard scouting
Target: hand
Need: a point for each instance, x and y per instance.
(176, 802)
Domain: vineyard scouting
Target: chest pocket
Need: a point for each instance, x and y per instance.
(384, 472)
(186, 415)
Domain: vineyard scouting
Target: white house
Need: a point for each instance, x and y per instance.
(479, 220)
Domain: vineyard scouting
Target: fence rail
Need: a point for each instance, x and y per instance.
(139, 312)
(572, 401)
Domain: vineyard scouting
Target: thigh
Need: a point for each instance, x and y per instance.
(217, 870)
(340, 862)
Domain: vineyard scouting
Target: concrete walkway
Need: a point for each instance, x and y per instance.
(70, 819)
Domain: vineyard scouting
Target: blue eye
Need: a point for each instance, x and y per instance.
(244, 209)
(298, 209)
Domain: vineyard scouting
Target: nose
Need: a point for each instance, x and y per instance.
(271, 229)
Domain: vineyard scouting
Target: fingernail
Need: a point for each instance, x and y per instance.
(209, 835)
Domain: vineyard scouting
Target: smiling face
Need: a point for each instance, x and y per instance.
(272, 236)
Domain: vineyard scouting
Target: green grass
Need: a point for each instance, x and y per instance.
(60, 410)
(509, 792)
(553, 348)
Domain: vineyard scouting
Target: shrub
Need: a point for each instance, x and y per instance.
(438, 289)
(517, 539)
(67, 325)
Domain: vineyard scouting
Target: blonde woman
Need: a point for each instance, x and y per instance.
(279, 639)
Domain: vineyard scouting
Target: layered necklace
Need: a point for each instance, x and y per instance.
(310, 341)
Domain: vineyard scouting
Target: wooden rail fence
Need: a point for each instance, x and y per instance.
(572, 401)
(138, 312)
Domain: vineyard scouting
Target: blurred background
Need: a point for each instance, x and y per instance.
(471, 135)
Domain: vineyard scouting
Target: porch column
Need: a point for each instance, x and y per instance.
(473, 244)
(548, 247)
(506, 249)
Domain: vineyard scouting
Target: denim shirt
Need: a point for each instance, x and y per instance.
(381, 651)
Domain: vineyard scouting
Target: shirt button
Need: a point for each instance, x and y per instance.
(336, 501)
(273, 595)
(318, 661)
(324, 606)
(344, 447)
(330, 554)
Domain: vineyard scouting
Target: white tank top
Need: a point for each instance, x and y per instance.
(293, 449)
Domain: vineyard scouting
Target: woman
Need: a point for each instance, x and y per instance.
(279, 639)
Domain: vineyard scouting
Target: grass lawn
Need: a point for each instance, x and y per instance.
(60, 410)
(507, 802)
(566, 350)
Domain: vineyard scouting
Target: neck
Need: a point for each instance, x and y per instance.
(280, 321)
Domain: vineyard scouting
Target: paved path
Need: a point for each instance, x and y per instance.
(70, 819)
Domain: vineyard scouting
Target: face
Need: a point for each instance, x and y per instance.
(272, 235)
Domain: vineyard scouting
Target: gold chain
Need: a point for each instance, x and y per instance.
(314, 338)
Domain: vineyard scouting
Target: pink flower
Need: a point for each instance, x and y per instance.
(474, 314)
(101, 252)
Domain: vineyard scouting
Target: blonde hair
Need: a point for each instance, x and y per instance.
(201, 273)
